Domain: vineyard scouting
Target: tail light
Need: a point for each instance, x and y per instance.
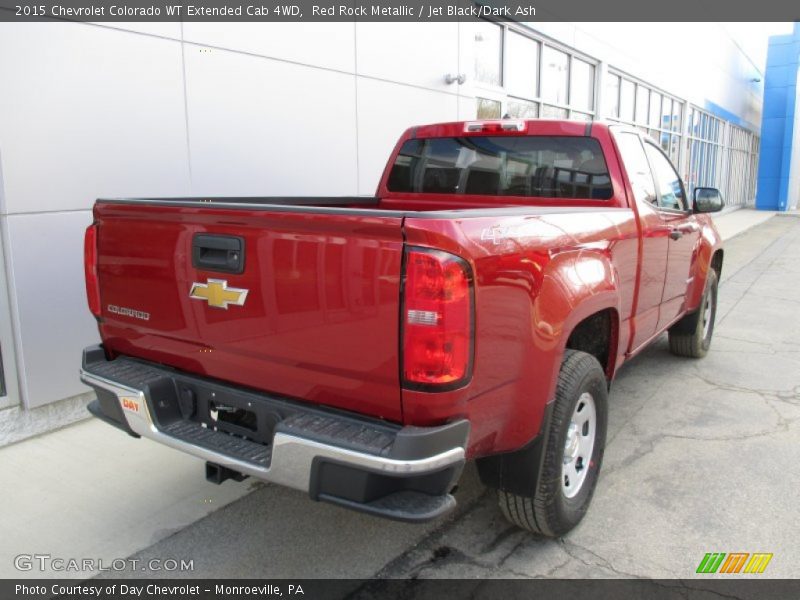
(504, 126)
(437, 320)
(90, 269)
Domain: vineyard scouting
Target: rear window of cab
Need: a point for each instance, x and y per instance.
(530, 166)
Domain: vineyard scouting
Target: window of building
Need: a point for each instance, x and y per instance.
(655, 114)
(693, 122)
(663, 140)
(627, 99)
(677, 113)
(488, 50)
(642, 104)
(722, 155)
(522, 109)
(582, 85)
(540, 79)
(655, 109)
(667, 114)
(675, 149)
(488, 109)
(555, 75)
(554, 112)
(544, 80)
(704, 150)
(522, 66)
(612, 96)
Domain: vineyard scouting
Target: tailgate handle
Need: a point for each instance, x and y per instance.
(223, 253)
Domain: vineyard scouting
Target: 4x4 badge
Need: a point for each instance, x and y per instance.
(217, 293)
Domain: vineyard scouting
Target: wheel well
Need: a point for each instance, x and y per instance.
(596, 335)
(716, 263)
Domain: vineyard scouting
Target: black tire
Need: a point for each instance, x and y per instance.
(550, 512)
(691, 336)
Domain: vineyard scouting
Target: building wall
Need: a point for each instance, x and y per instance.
(89, 111)
(168, 109)
(779, 171)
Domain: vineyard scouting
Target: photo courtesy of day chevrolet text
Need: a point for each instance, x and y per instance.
(153, 590)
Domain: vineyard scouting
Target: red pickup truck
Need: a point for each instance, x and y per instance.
(361, 349)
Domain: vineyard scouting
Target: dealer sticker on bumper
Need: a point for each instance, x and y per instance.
(131, 405)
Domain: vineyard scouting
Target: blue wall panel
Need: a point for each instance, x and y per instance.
(777, 126)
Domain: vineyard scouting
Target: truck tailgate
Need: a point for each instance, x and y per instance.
(319, 321)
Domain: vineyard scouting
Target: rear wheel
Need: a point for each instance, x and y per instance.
(691, 336)
(573, 452)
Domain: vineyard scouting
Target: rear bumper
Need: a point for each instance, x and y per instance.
(404, 473)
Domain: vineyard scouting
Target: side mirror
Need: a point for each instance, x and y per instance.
(707, 200)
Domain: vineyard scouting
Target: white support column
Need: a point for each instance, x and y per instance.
(683, 138)
(793, 195)
(601, 74)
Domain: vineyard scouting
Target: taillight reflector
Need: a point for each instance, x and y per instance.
(90, 269)
(437, 320)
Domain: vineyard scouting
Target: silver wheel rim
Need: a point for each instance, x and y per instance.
(707, 311)
(579, 445)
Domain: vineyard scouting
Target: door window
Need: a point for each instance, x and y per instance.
(637, 167)
(670, 188)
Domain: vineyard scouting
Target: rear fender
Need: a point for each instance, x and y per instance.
(577, 285)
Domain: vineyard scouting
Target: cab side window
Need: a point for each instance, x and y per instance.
(670, 188)
(637, 167)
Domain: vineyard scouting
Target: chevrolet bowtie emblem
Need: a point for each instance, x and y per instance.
(217, 293)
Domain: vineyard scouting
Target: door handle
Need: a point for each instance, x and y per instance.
(676, 234)
(223, 253)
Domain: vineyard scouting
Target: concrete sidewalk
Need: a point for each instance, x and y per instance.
(731, 223)
(90, 491)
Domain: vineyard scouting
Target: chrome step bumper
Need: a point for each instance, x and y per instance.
(300, 443)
